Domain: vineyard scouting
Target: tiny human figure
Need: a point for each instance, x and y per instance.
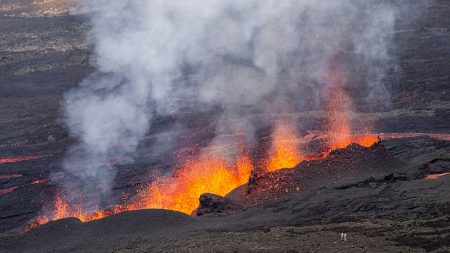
(344, 237)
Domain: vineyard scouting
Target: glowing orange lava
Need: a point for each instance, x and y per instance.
(365, 140)
(8, 190)
(437, 176)
(7, 177)
(389, 136)
(206, 174)
(285, 152)
(40, 181)
(20, 159)
(62, 209)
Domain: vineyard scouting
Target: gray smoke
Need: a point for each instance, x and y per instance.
(154, 57)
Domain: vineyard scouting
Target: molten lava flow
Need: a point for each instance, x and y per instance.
(21, 158)
(8, 190)
(437, 176)
(206, 174)
(285, 152)
(40, 181)
(7, 177)
(389, 136)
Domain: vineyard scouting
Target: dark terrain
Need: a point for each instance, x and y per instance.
(379, 196)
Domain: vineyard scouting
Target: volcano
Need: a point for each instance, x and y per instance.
(346, 176)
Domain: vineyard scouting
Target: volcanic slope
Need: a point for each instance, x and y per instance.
(44, 54)
(389, 204)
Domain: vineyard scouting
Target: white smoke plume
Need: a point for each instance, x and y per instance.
(154, 57)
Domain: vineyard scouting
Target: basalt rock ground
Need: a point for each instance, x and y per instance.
(382, 206)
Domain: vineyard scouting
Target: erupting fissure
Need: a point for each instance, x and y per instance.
(211, 172)
(207, 173)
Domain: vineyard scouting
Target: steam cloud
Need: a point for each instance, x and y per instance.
(155, 57)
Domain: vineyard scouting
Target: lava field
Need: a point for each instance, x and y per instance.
(325, 180)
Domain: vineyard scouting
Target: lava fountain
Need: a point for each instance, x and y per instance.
(217, 173)
(285, 150)
(338, 113)
(208, 173)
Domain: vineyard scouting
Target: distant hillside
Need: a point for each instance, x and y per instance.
(35, 7)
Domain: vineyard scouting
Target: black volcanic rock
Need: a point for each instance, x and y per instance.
(373, 200)
(353, 161)
(212, 204)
